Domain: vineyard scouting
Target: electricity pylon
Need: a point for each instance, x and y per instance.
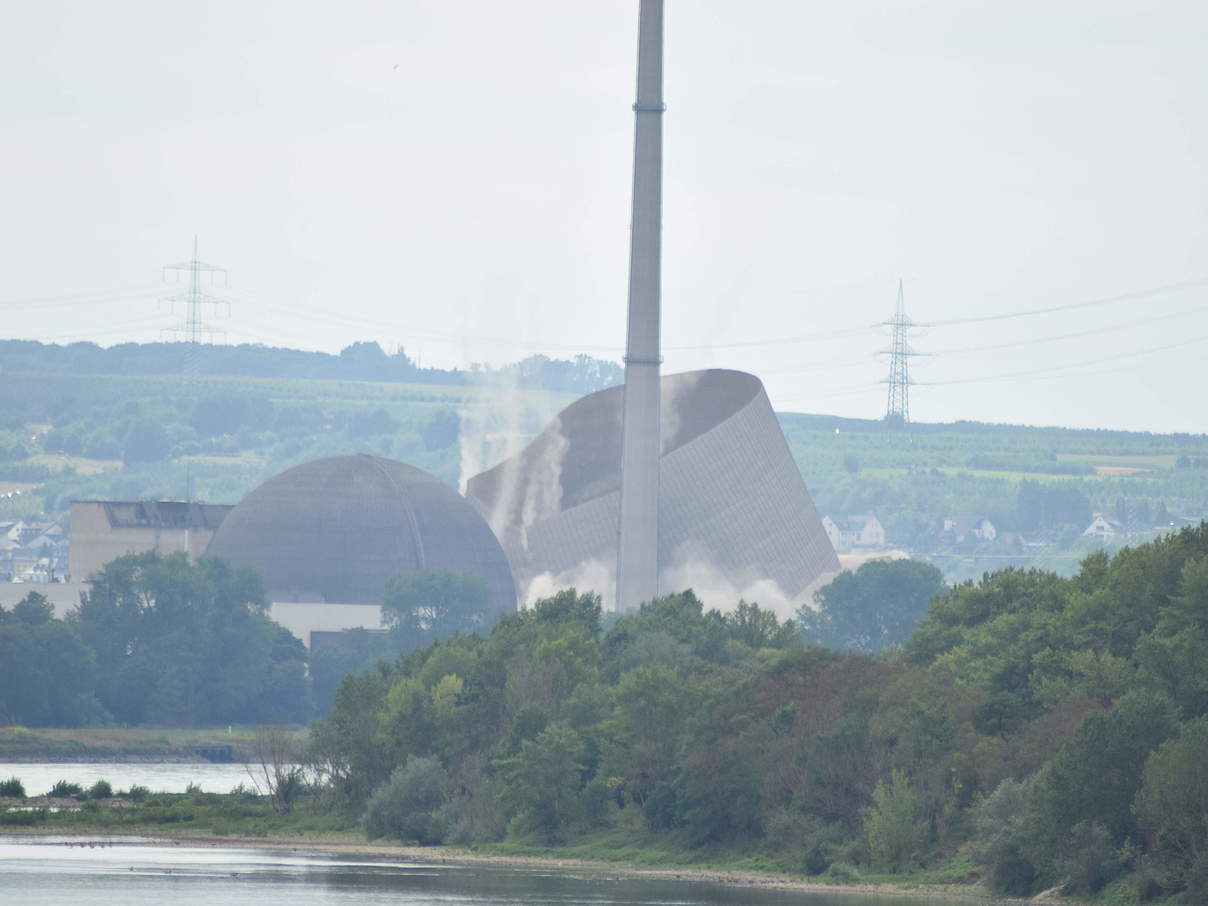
(193, 328)
(900, 354)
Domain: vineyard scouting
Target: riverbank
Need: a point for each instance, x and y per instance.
(345, 846)
(130, 745)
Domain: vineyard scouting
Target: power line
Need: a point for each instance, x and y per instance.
(1073, 306)
(1147, 320)
(1068, 365)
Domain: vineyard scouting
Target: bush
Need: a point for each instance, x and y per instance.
(998, 821)
(1197, 880)
(1088, 858)
(65, 789)
(893, 826)
(12, 788)
(138, 793)
(102, 789)
(408, 806)
(843, 871)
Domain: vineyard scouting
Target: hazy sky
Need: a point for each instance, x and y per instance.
(454, 177)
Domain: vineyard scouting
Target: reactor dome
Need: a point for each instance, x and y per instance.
(335, 530)
(732, 502)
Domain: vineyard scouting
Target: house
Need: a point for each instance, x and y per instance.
(854, 531)
(1103, 527)
(958, 528)
(32, 552)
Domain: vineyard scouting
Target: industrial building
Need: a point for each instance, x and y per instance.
(327, 535)
(103, 530)
(730, 495)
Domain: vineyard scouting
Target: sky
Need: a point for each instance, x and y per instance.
(454, 178)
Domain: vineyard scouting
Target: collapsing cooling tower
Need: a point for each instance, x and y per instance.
(731, 497)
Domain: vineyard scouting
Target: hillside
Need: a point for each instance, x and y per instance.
(85, 422)
(1039, 487)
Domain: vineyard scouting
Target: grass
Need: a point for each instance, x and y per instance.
(1154, 461)
(200, 814)
(246, 458)
(108, 743)
(82, 466)
(1013, 476)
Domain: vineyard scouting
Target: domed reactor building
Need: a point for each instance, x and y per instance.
(733, 511)
(328, 534)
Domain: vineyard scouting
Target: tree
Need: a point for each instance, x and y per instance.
(893, 826)
(33, 610)
(182, 644)
(441, 430)
(1172, 805)
(408, 806)
(47, 675)
(543, 779)
(431, 604)
(146, 441)
(759, 628)
(872, 608)
(1096, 775)
(1050, 506)
(273, 767)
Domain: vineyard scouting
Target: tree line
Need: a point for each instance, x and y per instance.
(155, 640)
(1033, 729)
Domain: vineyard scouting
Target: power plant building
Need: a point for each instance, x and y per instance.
(327, 535)
(730, 495)
(103, 530)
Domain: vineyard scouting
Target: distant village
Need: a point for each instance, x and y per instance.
(865, 532)
(38, 553)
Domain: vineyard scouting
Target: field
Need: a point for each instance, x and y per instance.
(118, 436)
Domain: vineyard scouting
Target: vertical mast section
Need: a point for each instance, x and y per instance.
(637, 550)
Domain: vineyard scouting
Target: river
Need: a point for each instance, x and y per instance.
(38, 778)
(116, 871)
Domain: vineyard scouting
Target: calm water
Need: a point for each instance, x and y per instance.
(48, 871)
(158, 778)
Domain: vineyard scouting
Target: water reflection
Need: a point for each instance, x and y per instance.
(38, 778)
(126, 871)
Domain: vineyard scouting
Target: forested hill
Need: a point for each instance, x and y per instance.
(1034, 731)
(358, 362)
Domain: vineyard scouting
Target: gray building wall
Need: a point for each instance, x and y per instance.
(103, 530)
(732, 499)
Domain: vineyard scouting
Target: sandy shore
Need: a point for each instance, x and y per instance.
(446, 855)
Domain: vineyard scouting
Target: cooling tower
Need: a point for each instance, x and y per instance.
(731, 497)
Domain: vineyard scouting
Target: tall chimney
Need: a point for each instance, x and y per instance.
(637, 551)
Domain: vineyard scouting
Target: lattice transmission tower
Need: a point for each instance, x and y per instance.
(194, 329)
(900, 353)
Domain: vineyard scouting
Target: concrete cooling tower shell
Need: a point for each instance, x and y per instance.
(335, 530)
(731, 497)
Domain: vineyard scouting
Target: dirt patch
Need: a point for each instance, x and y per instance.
(1119, 470)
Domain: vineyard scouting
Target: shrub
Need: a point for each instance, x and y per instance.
(408, 806)
(102, 789)
(1088, 858)
(843, 871)
(138, 793)
(65, 789)
(998, 821)
(893, 826)
(13, 788)
(1196, 880)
